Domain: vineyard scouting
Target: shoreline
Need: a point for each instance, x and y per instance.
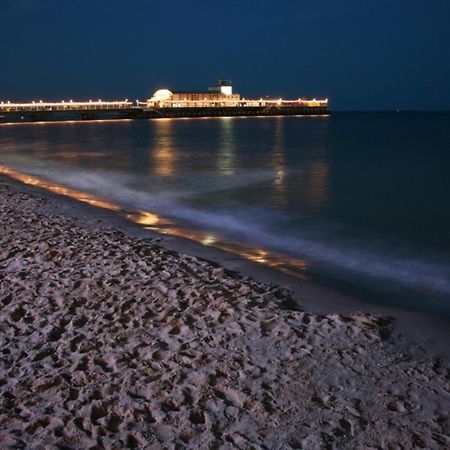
(422, 329)
(112, 337)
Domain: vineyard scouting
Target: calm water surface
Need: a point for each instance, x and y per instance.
(359, 200)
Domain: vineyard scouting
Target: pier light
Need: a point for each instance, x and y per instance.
(71, 101)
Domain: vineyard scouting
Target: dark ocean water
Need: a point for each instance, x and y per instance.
(361, 199)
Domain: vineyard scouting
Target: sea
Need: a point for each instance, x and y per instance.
(356, 201)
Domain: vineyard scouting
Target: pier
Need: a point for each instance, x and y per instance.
(217, 101)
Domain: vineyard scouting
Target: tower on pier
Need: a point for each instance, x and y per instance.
(223, 86)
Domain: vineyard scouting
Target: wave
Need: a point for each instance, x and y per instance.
(259, 226)
(141, 191)
(375, 260)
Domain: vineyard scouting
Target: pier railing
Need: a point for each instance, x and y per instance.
(70, 105)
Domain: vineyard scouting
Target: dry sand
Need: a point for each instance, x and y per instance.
(109, 341)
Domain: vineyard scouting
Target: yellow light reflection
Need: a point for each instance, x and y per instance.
(163, 154)
(227, 152)
(209, 240)
(144, 218)
(278, 161)
(58, 189)
(292, 266)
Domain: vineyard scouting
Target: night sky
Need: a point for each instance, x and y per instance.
(361, 54)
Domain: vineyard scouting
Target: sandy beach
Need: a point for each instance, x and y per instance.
(112, 341)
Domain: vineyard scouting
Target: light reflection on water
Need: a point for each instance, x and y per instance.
(58, 189)
(153, 222)
(354, 197)
(226, 160)
(163, 154)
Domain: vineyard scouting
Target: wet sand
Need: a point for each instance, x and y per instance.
(110, 339)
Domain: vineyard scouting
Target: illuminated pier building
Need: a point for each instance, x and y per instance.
(219, 96)
(216, 96)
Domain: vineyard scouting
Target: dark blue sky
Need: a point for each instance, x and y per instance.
(362, 54)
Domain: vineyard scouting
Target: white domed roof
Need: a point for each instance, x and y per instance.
(162, 94)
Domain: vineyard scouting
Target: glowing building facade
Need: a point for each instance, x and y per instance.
(216, 96)
(221, 95)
